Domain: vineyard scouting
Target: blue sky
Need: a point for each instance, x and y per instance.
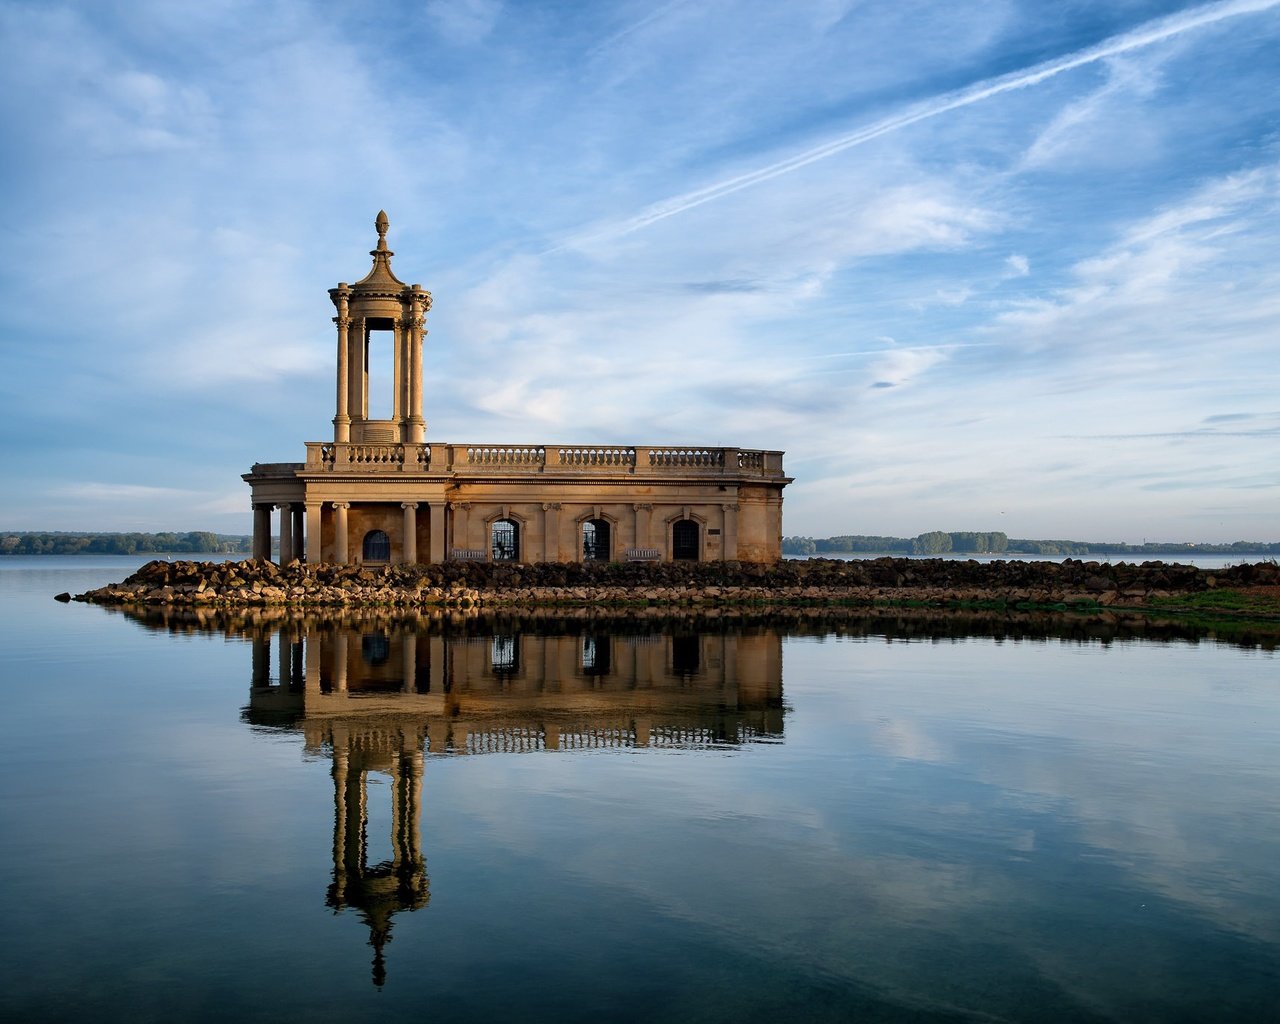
(1004, 265)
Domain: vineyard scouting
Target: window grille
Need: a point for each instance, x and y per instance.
(684, 541)
(377, 546)
(505, 537)
(595, 540)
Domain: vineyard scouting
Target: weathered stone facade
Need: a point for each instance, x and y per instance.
(380, 493)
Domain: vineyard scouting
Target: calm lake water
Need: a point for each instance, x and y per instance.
(558, 820)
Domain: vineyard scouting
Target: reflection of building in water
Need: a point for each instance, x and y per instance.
(521, 691)
(376, 699)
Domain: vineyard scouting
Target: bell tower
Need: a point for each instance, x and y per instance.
(380, 305)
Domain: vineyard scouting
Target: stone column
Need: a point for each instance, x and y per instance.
(341, 766)
(357, 390)
(410, 554)
(312, 656)
(342, 419)
(299, 531)
(437, 658)
(421, 303)
(286, 534)
(409, 661)
(261, 531)
(436, 513)
(261, 661)
(340, 531)
(314, 555)
(286, 662)
(340, 660)
(399, 374)
(397, 806)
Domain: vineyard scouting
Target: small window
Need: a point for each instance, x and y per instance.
(504, 656)
(684, 541)
(595, 655)
(595, 540)
(686, 654)
(505, 536)
(377, 546)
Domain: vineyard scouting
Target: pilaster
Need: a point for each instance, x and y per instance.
(551, 531)
(729, 532)
(436, 510)
(313, 532)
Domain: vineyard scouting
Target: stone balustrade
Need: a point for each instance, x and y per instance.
(571, 460)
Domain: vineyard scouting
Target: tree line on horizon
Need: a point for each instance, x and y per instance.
(937, 542)
(60, 543)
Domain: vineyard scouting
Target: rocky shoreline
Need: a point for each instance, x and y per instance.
(941, 583)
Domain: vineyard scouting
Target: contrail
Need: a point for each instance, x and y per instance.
(1152, 32)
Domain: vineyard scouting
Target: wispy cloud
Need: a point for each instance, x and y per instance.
(1149, 34)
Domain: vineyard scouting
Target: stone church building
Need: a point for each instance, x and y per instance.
(380, 492)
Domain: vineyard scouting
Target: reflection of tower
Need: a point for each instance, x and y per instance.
(377, 891)
(381, 695)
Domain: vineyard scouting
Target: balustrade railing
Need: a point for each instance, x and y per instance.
(597, 456)
(370, 457)
(505, 455)
(697, 457)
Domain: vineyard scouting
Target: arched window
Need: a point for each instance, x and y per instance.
(377, 546)
(595, 540)
(505, 537)
(684, 541)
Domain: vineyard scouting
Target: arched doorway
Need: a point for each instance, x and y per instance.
(685, 537)
(595, 540)
(377, 546)
(505, 540)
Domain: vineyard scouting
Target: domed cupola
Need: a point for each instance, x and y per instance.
(377, 312)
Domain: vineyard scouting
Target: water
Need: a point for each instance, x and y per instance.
(891, 819)
(1218, 561)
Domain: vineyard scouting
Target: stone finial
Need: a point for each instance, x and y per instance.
(382, 224)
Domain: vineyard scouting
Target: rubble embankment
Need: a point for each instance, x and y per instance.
(941, 583)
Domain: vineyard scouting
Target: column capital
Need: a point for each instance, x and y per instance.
(343, 322)
(642, 507)
(408, 504)
(549, 506)
(342, 504)
(464, 505)
(728, 508)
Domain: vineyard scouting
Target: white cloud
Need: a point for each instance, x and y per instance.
(1018, 265)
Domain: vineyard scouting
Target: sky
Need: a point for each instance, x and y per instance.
(990, 265)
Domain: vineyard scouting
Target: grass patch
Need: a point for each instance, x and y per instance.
(1223, 602)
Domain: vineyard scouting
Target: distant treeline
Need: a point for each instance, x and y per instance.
(197, 541)
(939, 543)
